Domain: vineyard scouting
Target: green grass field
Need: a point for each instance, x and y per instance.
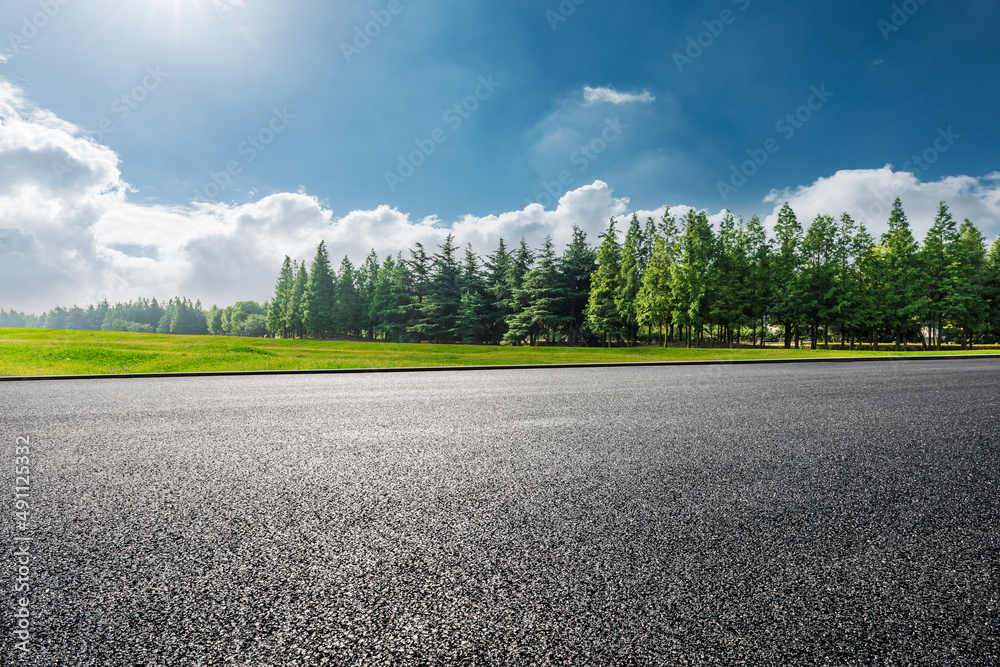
(27, 352)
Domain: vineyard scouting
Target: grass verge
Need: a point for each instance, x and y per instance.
(32, 352)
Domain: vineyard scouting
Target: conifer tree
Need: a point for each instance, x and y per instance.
(497, 293)
(964, 303)
(576, 266)
(629, 280)
(934, 264)
(276, 320)
(320, 294)
(541, 297)
(787, 262)
(602, 313)
(347, 307)
(900, 256)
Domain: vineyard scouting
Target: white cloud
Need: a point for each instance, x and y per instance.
(868, 195)
(69, 234)
(612, 96)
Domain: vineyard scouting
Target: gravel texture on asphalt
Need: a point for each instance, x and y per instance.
(793, 514)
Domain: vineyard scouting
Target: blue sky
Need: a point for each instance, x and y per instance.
(295, 99)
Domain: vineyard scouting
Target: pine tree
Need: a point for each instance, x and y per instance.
(295, 310)
(847, 285)
(691, 277)
(445, 294)
(541, 295)
(629, 280)
(497, 292)
(964, 303)
(521, 262)
(419, 321)
(787, 304)
(901, 273)
(472, 321)
(653, 303)
(991, 293)
(347, 309)
(818, 278)
(366, 278)
(935, 265)
(576, 267)
(276, 311)
(602, 313)
(320, 295)
(871, 274)
(760, 289)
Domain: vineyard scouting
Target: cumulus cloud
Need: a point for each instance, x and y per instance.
(612, 96)
(868, 195)
(69, 234)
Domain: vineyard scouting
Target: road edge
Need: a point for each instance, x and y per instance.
(505, 367)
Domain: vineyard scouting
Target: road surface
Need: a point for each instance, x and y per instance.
(800, 514)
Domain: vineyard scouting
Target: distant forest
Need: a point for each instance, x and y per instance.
(667, 281)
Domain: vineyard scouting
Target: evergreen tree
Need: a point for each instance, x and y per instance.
(602, 313)
(787, 263)
(319, 297)
(445, 293)
(473, 319)
(419, 320)
(295, 308)
(541, 294)
(691, 277)
(629, 280)
(576, 267)
(871, 284)
(847, 284)
(964, 303)
(991, 293)
(497, 292)
(760, 290)
(521, 262)
(901, 272)
(934, 264)
(347, 309)
(279, 305)
(367, 277)
(819, 271)
(654, 303)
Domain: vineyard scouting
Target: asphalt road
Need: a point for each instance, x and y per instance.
(798, 514)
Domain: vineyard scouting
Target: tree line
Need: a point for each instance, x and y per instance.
(176, 316)
(668, 281)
